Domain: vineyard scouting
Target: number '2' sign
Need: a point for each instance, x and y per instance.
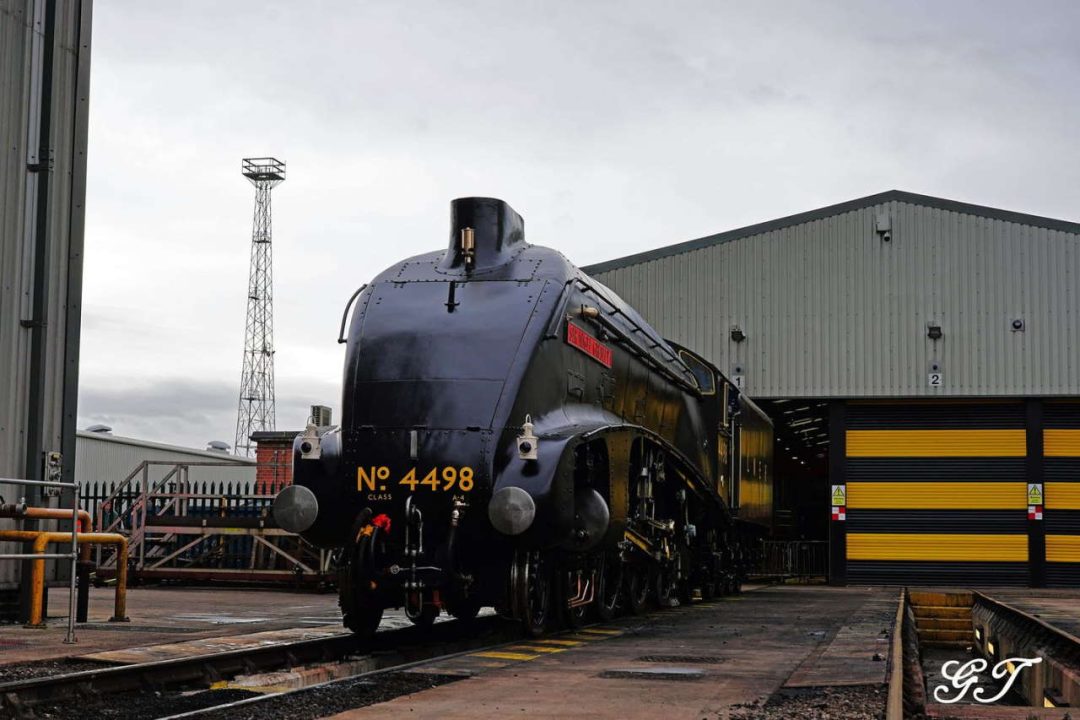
(934, 379)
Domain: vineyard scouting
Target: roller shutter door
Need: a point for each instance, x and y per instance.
(936, 493)
(1061, 469)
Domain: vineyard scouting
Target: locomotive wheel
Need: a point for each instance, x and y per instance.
(708, 588)
(531, 591)
(426, 618)
(466, 611)
(360, 610)
(609, 588)
(685, 592)
(463, 608)
(638, 590)
(666, 589)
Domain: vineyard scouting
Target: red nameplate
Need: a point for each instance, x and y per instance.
(587, 344)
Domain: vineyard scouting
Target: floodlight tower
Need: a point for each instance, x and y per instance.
(256, 407)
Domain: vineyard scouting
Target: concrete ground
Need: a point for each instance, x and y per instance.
(163, 615)
(1057, 607)
(702, 661)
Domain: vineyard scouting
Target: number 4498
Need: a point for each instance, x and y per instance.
(444, 479)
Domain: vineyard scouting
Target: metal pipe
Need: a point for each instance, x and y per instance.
(10, 510)
(37, 577)
(37, 483)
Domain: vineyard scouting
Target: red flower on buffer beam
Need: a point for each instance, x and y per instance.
(382, 522)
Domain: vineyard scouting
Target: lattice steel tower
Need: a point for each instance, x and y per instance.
(256, 407)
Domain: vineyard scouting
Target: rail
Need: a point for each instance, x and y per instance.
(388, 648)
(42, 556)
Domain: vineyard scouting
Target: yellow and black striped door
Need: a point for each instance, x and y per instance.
(1061, 469)
(936, 493)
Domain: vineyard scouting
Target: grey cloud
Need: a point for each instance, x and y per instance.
(614, 127)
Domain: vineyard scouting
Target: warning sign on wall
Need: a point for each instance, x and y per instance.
(839, 494)
(839, 503)
(1035, 494)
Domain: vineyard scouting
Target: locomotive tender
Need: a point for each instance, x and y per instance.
(514, 434)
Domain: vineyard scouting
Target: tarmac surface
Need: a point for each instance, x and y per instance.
(709, 660)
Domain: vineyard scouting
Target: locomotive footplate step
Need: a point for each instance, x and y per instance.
(706, 660)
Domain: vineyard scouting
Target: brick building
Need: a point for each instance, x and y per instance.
(273, 457)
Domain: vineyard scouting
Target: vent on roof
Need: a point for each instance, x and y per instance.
(103, 429)
(217, 446)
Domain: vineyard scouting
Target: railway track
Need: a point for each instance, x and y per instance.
(290, 703)
(386, 651)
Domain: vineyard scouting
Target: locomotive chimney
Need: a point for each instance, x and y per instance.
(484, 233)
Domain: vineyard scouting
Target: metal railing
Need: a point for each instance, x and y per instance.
(802, 560)
(73, 556)
(197, 530)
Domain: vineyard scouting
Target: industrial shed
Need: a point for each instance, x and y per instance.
(104, 460)
(44, 93)
(919, 357)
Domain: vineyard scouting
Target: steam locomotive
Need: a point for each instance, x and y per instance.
(515, 435)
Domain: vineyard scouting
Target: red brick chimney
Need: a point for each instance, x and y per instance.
(273, 455)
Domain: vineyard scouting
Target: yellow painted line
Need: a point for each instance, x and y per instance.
(937, 546)
(584, 638)
(552, 641)
(936, 495)
(499, 655)
(257, 688)
(936, 443)
(538, 649)
(1063, 548)
(1061, 443)
(1063, 496)
(602, 631)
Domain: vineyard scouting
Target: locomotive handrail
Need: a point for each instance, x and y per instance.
(345, 315)
(642, 353)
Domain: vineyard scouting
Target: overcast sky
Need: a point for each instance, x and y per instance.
(612, 127)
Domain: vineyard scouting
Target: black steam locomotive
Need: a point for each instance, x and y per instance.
(514, 434)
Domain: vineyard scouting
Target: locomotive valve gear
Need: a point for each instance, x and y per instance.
(310, 444)
(528, 443)
(295, 508)
(511, 510)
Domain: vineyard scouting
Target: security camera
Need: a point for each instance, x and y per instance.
(1017, 324)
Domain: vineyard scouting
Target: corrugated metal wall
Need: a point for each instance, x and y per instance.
(25, 85)
(829, 309)
(937, 493)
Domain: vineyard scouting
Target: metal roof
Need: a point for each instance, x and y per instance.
(149, 445)
(892, 295)
(837, 209)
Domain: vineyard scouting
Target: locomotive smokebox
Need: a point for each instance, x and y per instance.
(484, 233)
